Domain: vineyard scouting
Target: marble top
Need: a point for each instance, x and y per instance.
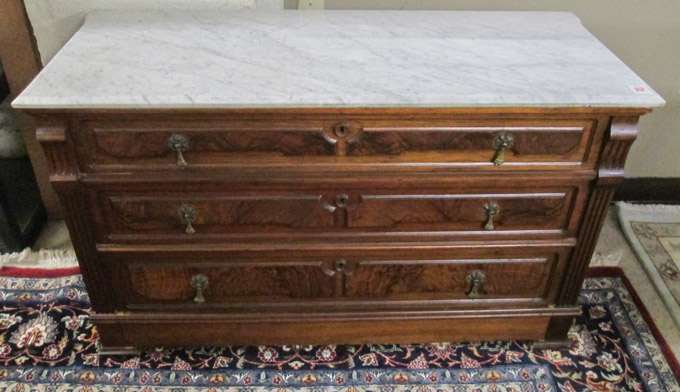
(235, 59)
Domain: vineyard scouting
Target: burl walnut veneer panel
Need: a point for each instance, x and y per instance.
(333, 212)
(321, 141)
(380, 277)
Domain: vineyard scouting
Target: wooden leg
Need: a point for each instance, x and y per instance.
(557, 335)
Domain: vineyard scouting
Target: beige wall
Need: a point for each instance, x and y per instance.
(645, 34)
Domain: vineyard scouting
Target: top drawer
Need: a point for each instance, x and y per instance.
(336, 144)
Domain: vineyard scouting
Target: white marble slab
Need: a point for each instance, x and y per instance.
(55, 21)
(199, 59)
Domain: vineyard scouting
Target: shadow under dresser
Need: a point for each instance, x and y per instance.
(334, 177)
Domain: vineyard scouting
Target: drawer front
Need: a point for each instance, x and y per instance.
(238, 282)
(339, 278)
(371, 143)
(444, 279)
(336, 213)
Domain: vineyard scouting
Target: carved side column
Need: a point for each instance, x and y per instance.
(53, 137)
(621, 134)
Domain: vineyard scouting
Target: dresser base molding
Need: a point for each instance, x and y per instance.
(122, 331)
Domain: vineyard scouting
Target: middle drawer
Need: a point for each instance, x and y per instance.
(338, 214)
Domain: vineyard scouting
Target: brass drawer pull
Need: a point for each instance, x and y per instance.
(179, 144)
(502, 143)
(199, 282)
(188, 215)
(476, 278)
(491, 210)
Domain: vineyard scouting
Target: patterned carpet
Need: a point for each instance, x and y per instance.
(653, 232)
(47, 343)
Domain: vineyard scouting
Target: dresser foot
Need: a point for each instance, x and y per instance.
(107, 350)
(557, 335)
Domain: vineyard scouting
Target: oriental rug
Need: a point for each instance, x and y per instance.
(653, 232)
(48, 344)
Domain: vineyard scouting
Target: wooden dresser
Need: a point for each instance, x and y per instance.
(338, 177)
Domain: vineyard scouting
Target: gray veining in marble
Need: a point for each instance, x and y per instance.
(199, 59)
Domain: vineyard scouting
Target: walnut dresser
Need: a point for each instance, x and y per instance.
(334, 177)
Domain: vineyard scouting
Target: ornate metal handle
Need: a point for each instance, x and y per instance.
(188, 215)
(199, 282)
(501, 143)
(476, 279)
(491, 210)
(179, 144)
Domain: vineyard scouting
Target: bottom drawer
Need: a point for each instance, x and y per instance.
(360, 278)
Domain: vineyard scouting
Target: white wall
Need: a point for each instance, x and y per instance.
(55, 21)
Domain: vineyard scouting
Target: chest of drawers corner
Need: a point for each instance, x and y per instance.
(340, 223)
